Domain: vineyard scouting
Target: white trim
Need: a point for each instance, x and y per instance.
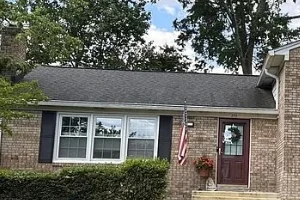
(250, 146)
(92, 141)
(217, 152)
(89, 141)
(164, 107)
(157, 137)
(91, 133)
(87, 162)
(59, 117)
(282, 53)
(156, 118)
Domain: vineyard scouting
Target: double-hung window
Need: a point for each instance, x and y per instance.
(107, 138)
(141, 137)
(73, 136)
(104, 138)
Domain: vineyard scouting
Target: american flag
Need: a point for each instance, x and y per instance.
(183, 137)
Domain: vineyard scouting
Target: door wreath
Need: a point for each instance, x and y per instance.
(236, 134)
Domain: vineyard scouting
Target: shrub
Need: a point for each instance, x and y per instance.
(134, 180)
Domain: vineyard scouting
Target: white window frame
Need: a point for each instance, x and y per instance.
(155, 136)
(91, 133)
(122, 139)
(59, 117)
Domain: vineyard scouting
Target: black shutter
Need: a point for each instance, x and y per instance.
(165, 137)
(47, 136)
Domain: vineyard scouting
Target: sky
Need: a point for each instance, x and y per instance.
(165, 12)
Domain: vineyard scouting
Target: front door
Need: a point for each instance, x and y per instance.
(233, 152)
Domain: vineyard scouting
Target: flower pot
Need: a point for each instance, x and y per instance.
(204, 172)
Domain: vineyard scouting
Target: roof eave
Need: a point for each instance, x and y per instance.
(275, 59)
(137, 106)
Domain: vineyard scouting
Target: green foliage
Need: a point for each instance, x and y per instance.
(234, 33)
(86, 33)
(107, 34)
(11, 65)
(149, 58)
(14, 98)
(134, 180)
(5, 12)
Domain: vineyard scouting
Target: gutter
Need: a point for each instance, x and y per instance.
(266, 64)
(265, 69)
(164, 107)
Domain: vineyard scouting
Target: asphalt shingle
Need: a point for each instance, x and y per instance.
(112, 86)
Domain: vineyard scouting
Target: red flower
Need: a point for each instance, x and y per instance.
(204, 163)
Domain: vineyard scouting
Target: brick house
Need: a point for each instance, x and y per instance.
(104, 116)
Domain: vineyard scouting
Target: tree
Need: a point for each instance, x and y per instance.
(14, 98)
(150, 58)
(234, 33)
(86, 33)
(82, 32)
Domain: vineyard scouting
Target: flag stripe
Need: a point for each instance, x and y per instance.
(182, 150)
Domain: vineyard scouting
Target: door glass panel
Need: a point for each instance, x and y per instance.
(234, 146)
(239, 150)
(227, 149)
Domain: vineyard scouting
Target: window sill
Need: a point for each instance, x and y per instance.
(87, 162)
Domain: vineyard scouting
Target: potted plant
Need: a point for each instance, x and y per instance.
(204, 165)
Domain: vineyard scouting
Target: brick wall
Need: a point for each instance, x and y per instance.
(202, 141)
(9, 45)
(20, 151)
(289, 129)
(263, 155)
(280, 137)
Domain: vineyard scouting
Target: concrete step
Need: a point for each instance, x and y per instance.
(231, 198)
(236, 188)
(227, 195)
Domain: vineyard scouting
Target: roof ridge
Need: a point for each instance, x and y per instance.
(145, 71)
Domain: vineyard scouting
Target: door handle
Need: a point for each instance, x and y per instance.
(219, 151)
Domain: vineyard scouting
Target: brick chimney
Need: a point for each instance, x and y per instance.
(9, 45)
(12, 47)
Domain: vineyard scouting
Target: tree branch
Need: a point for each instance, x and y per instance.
(237, 31)
(252, 37)
(292, 17)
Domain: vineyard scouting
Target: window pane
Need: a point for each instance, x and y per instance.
(66, 121)
(74, 121)
(108, 127)
(72, 147)
(236, 148)
(233, 150)
(142, 128)
(65, 131)
(75, 126)
(74, 130)
(108, 148)
(227, 149)
(239, 150)
(83, 121)
(140, 148)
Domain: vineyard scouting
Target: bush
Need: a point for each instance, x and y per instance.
(134, 180)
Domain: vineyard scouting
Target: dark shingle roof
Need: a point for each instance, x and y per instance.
(111, 86)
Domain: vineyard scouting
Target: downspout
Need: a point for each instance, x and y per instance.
(276, 85)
